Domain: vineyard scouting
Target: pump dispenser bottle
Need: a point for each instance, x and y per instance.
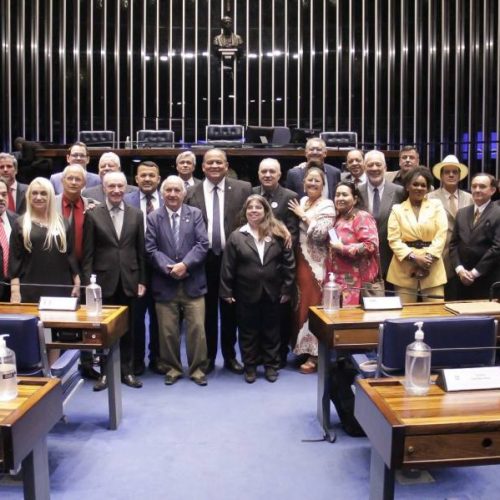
(331, 295)
(8, 371)
(418, 365)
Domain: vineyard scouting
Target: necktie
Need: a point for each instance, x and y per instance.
(5, 247)
(186, 184)
(117, 222)
(175, 229)
(477, 214)
(149, 204)
(376, 202)
(10, 201)
(453, 204)
(216, 239)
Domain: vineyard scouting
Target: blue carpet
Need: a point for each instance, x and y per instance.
(226, 441)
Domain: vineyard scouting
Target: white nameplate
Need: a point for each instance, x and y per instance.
(58, 304)
(469, 379)
(381, 303)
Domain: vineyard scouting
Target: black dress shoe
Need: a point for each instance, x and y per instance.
(201, 380)
(89, 373)
(131, 381)
(171, 379)
(101, 384)
(250, 375)
(210, 366)
(271, 374)
(233, 365)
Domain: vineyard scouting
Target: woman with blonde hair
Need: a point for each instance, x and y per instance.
(40, 249)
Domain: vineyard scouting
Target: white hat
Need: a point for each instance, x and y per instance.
(450, 160)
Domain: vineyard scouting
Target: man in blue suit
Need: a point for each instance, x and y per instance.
(315, 154)
(146, 198)
(177, 245)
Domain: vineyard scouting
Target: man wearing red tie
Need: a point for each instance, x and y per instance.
(6, 220)
(16, 201)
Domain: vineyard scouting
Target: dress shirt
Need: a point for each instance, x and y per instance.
(260, 244)
(370, 194)
(116, 216)
(208, 193)
(6, 225)
(143, 202)
(190, 182)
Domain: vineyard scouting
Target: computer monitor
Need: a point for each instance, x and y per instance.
(259, 136)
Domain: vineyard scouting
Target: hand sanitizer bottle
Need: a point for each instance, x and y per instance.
(418, 365)
(93, 297)
(8, 371)
(331, 295)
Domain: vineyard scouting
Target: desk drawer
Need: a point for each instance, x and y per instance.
(364, 337)
(452, 448)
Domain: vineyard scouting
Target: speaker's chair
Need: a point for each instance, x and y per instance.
(97, 138)
(155, 138)
(340, 140)
(225, 135)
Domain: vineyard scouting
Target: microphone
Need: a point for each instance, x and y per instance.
(394, 292)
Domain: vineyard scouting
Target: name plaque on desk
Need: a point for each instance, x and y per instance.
(381, 303)
(469, 379)
(58, 304)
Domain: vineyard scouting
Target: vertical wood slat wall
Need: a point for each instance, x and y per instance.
(395, 71)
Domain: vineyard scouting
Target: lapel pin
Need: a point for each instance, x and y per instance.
(274, 204)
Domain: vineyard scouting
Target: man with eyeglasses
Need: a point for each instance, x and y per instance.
(315, 153)
(78, 154)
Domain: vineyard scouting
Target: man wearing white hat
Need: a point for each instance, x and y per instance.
(450, 172)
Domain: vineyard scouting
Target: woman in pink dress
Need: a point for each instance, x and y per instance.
(354, 258)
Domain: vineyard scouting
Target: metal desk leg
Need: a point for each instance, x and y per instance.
(381, 478)
(35, 472)
(324, 391)
(113, 372)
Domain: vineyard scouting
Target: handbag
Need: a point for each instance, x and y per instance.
(375, 288)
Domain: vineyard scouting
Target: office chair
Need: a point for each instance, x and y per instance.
(155, 139)
(281, 136)
(225, 135)
(97, 138)
(340, 140)
(493, 290)
(27, 340)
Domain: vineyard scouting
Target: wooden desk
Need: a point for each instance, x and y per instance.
(24, 425)
(440, 429)
(88, 333)
(351, 329)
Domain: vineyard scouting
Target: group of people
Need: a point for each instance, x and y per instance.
(217, 259)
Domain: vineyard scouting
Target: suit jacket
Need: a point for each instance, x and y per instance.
(392, 195)
(192, 251)
(245, 277)
(235, 194)
(278, 200)
(477, 246)
(403, 227)
(464, 200)
(21, 198)
(295, 179)
(110, 258)
(133, 198)
(91, 180)
(12, 216)
(97, 193)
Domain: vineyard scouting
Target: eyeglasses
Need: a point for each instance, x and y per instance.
(78, 155)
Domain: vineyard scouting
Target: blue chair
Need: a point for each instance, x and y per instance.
(97, 138)
(155, 139)
(225, 135)
(340, 140)
(27, 340)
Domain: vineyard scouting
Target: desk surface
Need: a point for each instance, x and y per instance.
(29, 417)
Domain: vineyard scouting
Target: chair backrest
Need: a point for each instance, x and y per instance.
(281, 136)
(340, 140)
(155, 138)
(225, 134)
(299, 136)
(439, 333)
(102, 138)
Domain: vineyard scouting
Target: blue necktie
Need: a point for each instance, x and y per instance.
(175, 229)
(376, 202)
(216, 239)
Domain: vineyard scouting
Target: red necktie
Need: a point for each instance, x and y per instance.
(5, 247)
(10, 201)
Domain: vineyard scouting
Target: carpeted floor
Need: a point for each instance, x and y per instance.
(226, 441)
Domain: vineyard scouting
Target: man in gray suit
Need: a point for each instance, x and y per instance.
(185, 164)
(450, 172)
(7, 219)
(177, 245)
(378, 197)
(16, 196)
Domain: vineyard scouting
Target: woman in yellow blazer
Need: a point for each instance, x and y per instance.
(416, 233)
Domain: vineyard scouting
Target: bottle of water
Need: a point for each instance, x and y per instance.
(8, 371)
(93, 297)
(331, 295)
(128, 143)
(418, 365)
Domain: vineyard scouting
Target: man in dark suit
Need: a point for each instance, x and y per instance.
(113, 250)
(315, 152)
(147, 199)
(475, 242)
(177, 245)
(221, 218)
(278, 197)
(185, 164)
(378, 197)
(7, 218)
(355, 168)
(16, 201)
